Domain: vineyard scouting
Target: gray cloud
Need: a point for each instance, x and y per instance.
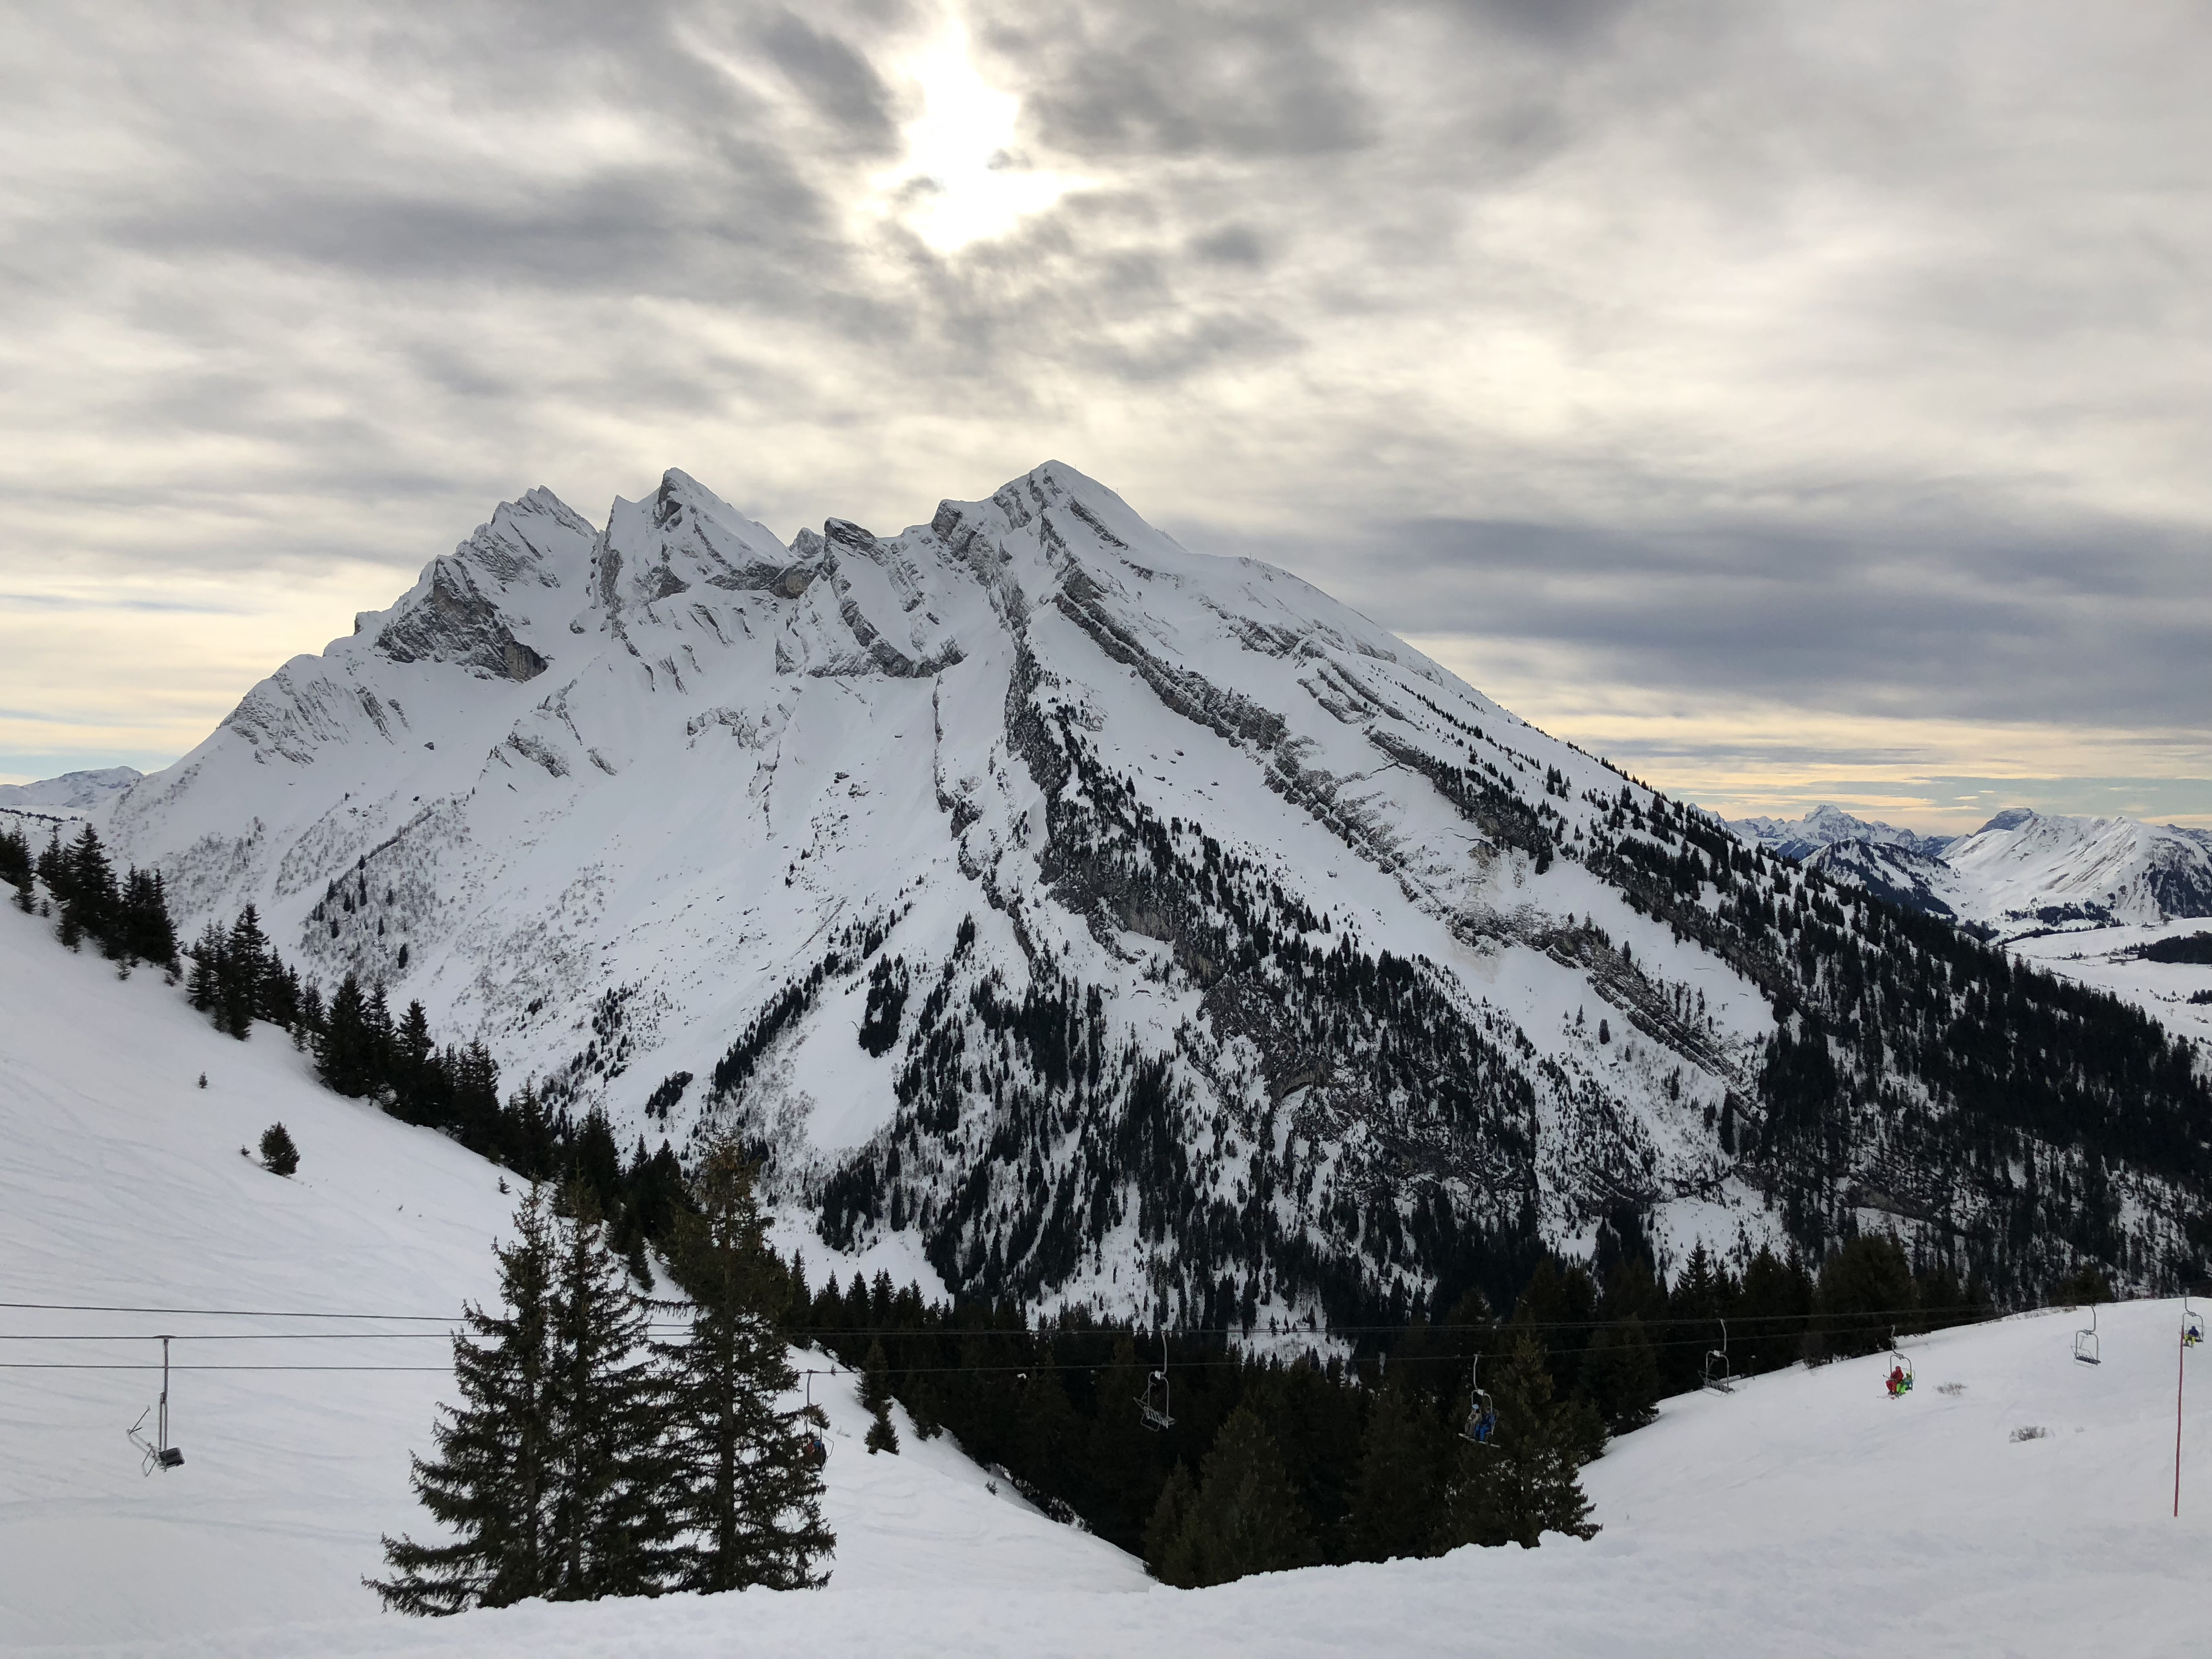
(2109, 625)
(1854, 358)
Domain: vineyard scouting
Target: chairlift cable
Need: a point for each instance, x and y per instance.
(1876, 1314)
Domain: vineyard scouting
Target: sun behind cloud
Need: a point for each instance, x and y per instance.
(962, 178)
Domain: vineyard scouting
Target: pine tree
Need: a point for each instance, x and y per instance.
(144, 929)
(1404, 1453)
(1620, 1376)
(750, 1492)
(1524, 1482)
(87, 890)
(278, 1155)
(1167, 1542)
(413, 1056)
(1122, 1451)
(17, 868)
(347, 1058)
(245, 958)
(204, 984)
(492, 1480)
(1245, 1517)
(876, 1397)
(14, 859)
(1865, 1291)
(612, 1531)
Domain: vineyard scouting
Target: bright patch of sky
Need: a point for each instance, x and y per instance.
(964, 178)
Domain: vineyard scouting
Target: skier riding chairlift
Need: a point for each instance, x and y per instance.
(2192, 1322)
(2087, 1349)
(1717, 1376)
(1899, 1380)
(1152, 1405)
(159, 1453)
(1481, 1414)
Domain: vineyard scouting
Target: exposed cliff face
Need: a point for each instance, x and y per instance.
(1124, 924)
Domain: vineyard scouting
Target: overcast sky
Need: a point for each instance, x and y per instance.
(1794, 403)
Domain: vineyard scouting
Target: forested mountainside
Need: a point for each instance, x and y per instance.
(1135, 927)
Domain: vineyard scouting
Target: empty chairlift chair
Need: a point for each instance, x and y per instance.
(159, 1453)
(2086, 1346)
(1718, 1376)
(1152, 1405)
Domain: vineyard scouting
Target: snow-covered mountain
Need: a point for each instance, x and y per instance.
(72, 795)
(1826, 826)
(2021, 865)
(1121, 924)
(2020, 871)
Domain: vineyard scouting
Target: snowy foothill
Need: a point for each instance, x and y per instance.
(122, 1185)
(2111, 959)
(2016, 1501)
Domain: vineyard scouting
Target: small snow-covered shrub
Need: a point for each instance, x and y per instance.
(2033, 1431)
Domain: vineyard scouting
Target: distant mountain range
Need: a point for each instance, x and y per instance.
(2020, 872)
(69, 796)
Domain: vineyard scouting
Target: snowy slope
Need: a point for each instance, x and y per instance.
(122, 1185)
(1807, 1514)
(2177, 994)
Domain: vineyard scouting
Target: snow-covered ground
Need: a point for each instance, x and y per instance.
(121, 1185)
(1807, 1514)
(2105, 957)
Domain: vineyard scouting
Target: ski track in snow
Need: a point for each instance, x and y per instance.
(1806, 1514)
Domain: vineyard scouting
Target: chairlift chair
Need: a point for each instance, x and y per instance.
(1152, 1405)
(2192, 1322)
(816, 1448)
(1481, 1413)
(2086, 1347)
(1717, 1376)
(1899, 1380)
(159, 1453)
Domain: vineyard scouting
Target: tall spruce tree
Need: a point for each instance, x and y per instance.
(1167, 1550)
(876, 1396)
(86, 891)
(748, 1491)
(1244, 1517)
(492, 1480)
(1620, 1376)
(348, 1057)
(1394, 1505)
(1524, 1483)
(613, 1531)
(247, 955)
